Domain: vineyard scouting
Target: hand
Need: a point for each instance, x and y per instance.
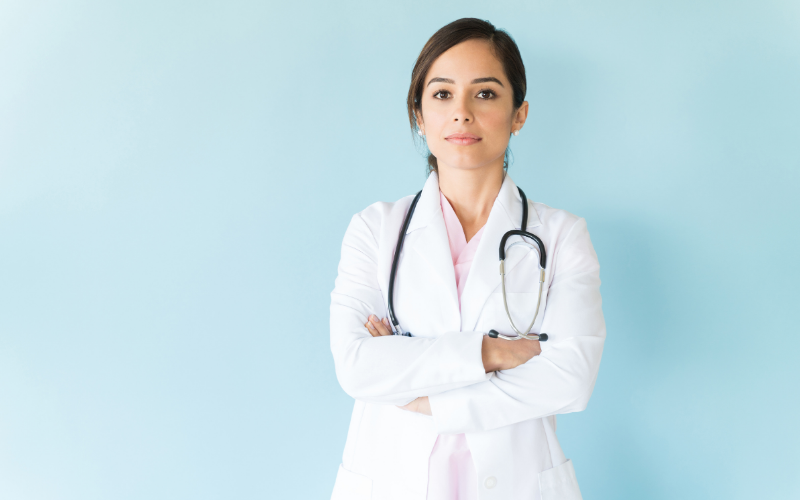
(500, 354)
(378, 328)
(419, 405)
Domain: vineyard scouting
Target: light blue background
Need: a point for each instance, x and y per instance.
(176, 179)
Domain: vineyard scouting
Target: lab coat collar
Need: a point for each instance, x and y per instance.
(484, 278)
(429, 239)
(428, 205)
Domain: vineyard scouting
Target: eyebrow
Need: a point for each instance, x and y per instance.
(477, 80)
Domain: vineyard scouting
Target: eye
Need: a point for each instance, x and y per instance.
(441, 94)
(486, 94)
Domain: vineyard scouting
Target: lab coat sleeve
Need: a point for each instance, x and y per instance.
(562, 377)
(390, 369)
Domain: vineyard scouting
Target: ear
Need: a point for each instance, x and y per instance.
(420, 124)
(520, 116)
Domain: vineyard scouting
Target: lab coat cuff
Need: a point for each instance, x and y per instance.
(464, 350)
(456, 362)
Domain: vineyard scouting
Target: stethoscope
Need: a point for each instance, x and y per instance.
(521, 334)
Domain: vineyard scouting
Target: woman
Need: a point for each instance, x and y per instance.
(449, 412)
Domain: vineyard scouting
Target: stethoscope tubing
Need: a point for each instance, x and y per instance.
(395, 260)
(521, 334)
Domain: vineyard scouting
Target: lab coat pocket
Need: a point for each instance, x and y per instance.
(559, 483)
(351, 486)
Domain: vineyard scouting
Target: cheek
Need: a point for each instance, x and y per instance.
(435, 122)
(495, 122)
(497, 127)
(435, 127)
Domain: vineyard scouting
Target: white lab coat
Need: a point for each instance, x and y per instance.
(509, 417)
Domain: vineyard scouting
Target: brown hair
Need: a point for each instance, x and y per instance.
(451, 35)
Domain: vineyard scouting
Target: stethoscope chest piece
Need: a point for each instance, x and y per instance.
(540, 337)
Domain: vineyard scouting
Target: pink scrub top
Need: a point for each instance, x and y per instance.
(451, 472)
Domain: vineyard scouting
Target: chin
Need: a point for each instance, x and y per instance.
(466, 162)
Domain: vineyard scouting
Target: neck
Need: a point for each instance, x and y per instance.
(471, 193)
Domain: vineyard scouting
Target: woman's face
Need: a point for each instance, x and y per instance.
(468, 110)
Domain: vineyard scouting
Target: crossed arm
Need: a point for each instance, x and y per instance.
(461, 378)
(496, 354)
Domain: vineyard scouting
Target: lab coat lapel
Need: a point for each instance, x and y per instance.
(484, 274)
(431, 241)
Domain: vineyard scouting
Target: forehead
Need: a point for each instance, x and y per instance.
(467, 61)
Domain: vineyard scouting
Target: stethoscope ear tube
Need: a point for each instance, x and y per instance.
(522, 334)
(526, 234)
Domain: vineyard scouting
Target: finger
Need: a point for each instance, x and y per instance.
(370, 324)
(372, 331)
(378, 326)
(385, 321)
(381, 327)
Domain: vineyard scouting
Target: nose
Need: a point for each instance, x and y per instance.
(462, 112)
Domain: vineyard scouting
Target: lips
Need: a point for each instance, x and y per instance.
(462, 139)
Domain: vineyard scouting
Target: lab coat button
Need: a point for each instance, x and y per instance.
(490, 482)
